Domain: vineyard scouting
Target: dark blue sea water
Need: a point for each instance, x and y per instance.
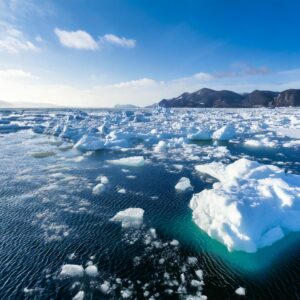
(50, 217)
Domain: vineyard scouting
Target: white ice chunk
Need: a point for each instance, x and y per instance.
(174, 243)
(130, 217)
(196, 283)
(253, 143)
(126, 293)
(90, 142)
(79, 296)
(199, 274)
(133, 161)
(240, 291)
(103, 179)
(201, 135)
(192, 260)
(160, 147)
(225, 133)
(105, 287)
(289, 132)
(183, 184)
(98, 189)
(91, 271)
(72, 270)
(248, 193)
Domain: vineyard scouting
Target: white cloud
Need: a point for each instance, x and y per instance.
(202, 76)
(118, 41)
(12, 40)
(242, 70)
(15, 73)
(83, 40)
(139, 83)
(76, 39)
(39, 39)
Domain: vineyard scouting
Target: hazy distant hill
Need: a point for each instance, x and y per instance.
(125, 106)
(4, 104)
(25, 104)
(211, 98)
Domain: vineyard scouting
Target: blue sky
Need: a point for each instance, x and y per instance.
(104, 52)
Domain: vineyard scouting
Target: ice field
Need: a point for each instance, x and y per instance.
(150, 204)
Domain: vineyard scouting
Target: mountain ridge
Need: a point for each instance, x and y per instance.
(206, 97)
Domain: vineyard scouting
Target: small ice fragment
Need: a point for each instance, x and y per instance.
(90, 142)
(104, 287)
(72, 256)
(178, 167)
(91, 271)
(196, 283)
(153, 233)
(98, 189)
(160, 147)
(182, 277)
(28, 291)
(43, 154)
(161, 261)
(192, 260)
(201, 135)
(146, 294)
(240, 291)
(133, 161)
(225, 133)
(102, 179)
(79, 296)
(174, 243)
(72, 270)
(122, 191)
(199, 274)
(126, 293)
(130, 217)
(183, 184)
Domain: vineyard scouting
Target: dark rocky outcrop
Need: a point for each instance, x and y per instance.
(288, 98)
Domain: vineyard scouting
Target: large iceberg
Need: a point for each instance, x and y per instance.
(250, 207)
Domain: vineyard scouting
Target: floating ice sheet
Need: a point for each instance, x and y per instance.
(247, 193)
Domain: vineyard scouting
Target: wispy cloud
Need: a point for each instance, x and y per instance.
(82, 40)
(202, 76)
(118, 41)
(12, 40)
(15, 74)
(242, 69)
(13, 10)
(138, 83)
(76, 39)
